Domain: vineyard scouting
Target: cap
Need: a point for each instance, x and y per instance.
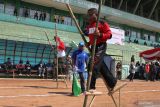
(81, 44)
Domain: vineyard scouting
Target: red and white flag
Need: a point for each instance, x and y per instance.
(60, 47)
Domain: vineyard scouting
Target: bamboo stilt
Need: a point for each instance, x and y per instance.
(92, 57)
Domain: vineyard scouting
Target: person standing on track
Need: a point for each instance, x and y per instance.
(132, 71)
(79, 61)
(147, 70)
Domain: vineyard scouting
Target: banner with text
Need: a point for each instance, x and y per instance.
(118, 36)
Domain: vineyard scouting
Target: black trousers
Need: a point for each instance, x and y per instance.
(20, 71)
(147, 76)
(101, 68)
(82, 81)
(119, 74)
(28, 71)
(153, 76)
(131, 77)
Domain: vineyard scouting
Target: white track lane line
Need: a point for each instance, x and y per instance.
(142, 91)
(48, 95)
(30, 87)
(14, 79)
(33, 95)
(14, 87)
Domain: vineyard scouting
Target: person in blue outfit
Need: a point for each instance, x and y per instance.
(80, 60)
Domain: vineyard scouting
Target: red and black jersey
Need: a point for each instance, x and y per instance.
(104, 30)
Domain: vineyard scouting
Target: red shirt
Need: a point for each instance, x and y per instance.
(20, 66)
(103, 28)
(147, 68)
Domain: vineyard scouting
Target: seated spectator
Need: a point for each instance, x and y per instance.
(144, 38)
(156, 45)
(145, 43)
(40, 16)
(26, 13)
(44, 16)
(36, 15)
(56, 18)
(127, 33)
(28, 68)
(59, 19)
(20, 67)
(62, 19)
(15, 12)
(8, 65)
(129, 40)
(41, 69)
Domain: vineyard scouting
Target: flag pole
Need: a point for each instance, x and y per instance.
(56, 54)
(49, 40)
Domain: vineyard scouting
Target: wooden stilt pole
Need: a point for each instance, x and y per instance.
(78, 27)
(119, 97)
(110, 94)
(92, 57)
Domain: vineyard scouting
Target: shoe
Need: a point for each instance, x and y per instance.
(111, 89)
(20, 74)
(92, 90)
(83, 93)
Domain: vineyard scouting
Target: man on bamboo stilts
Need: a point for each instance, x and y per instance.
(103, 33)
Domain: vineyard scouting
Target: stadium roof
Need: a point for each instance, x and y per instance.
(146, 8)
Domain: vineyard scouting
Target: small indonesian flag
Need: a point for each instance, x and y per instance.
(60, 47)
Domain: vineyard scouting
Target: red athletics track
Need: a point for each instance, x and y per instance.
(43, 93)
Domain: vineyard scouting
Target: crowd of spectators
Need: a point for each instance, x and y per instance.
(42, 16)
(148, 70)
(43, 70)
